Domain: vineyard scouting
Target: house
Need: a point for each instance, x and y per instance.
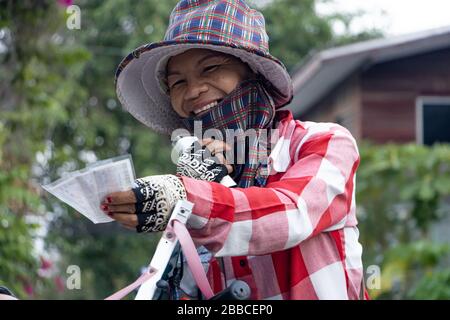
(386, 90)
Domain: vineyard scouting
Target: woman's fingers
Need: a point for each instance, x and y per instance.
(126, 219)
(217, 149)
(222, 160)
(215, 146)
(121, 208)
(120, 197)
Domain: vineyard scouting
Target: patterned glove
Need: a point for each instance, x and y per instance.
(196, 164)
(156, 197)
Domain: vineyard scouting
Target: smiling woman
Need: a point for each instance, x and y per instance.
(289, 227)
(199, 78)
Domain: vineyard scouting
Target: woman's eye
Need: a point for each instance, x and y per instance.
(211, 68)
(176, 83)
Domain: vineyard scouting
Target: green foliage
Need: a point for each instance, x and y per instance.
(401, 191)
(406, 182)
(411, 270)
(434, 286)
(31, 70)
(16, 244)
(58, 112)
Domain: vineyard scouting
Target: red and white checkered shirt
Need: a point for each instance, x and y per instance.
(295, 238)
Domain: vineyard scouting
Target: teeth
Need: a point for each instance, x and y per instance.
(208, 106)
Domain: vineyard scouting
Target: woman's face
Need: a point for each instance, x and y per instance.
(199, 78)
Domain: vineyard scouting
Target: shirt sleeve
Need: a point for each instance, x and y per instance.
(314, 194)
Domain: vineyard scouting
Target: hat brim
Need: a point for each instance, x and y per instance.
(138, 84)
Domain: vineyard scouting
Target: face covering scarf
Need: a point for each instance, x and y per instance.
(249, 106)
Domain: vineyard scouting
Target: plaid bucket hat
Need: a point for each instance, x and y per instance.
(227, 26)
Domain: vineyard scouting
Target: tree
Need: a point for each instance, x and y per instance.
(56, 118)
(110, 30)
(295, 29)
(401, 191)
(38, 87)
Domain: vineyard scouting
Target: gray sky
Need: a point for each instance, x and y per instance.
(393, 16)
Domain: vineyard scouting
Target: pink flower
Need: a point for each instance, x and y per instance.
(65, 3)
(28, 287)
(45, 264)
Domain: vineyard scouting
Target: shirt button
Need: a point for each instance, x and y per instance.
(242, 263)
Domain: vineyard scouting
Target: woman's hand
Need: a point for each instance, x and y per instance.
(205, 161)
(146, 207)
(218, 148)
(121, 206)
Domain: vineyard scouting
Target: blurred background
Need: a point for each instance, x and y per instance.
(379, 68)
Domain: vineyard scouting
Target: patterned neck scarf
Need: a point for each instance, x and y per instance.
(249, 106)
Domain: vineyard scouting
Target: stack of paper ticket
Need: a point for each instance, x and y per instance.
(85, 189)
